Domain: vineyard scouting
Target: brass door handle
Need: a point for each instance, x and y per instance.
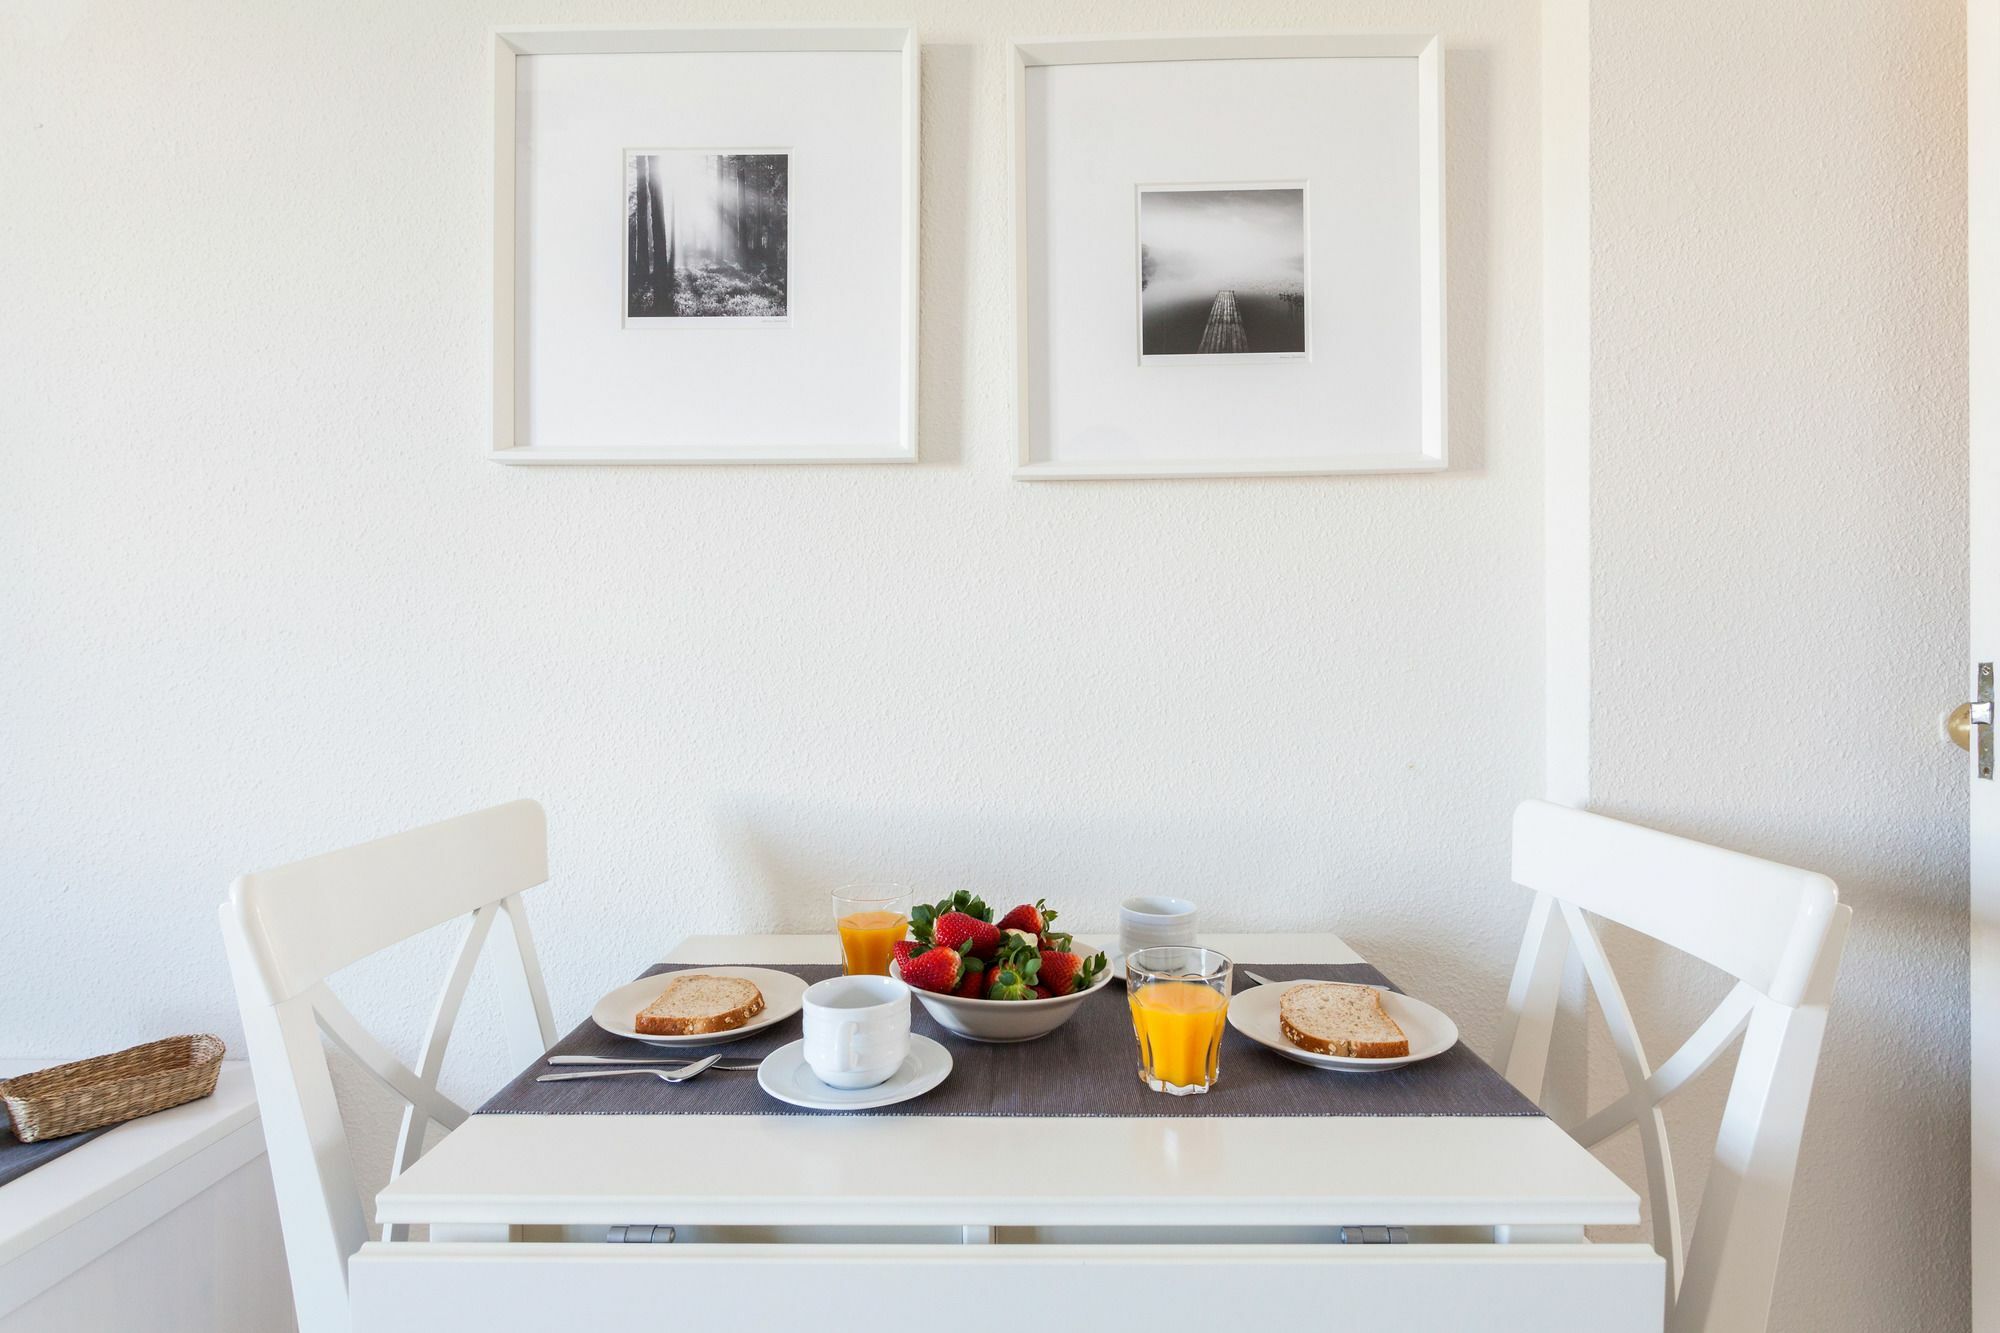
(1960, 721)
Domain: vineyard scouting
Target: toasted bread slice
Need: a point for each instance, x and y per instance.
(695, 1002)
(1334, 1018)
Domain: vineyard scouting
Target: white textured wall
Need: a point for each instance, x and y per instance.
(265, 595)
(1777, 474)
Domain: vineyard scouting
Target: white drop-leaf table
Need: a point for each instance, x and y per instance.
(824, 1223)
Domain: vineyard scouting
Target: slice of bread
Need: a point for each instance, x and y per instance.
(1335, 1018)
(695, 1002)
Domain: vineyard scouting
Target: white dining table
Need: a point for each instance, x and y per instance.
(1402, 1223)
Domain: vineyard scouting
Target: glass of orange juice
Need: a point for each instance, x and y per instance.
(1180, 1003)
(870, 919)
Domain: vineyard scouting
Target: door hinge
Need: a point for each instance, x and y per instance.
(1970, 726)
(640, 1235)
(1374, 1236)
(1984, 705)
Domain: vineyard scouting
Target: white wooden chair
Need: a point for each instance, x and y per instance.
(290, 928)
(1779, 932)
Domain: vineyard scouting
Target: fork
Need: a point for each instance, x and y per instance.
(680, 1075)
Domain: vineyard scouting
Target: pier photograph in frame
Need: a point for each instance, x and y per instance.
(1222, 273)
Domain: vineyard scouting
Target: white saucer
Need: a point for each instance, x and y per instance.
(1254, 1013)
(786, 1076)
(1114, 957)
(784, 995)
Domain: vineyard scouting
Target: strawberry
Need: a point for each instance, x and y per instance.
(1031, 919)
(1059, 970)
(1044, 993)
(972, 978)
(935, 969)
(1011, 985)
(925, 916)
(906, 950)
(967, 934)
(1064, 972)
(1012, 976)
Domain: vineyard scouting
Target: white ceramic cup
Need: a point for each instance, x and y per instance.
(1148, 922)
(857, 1029)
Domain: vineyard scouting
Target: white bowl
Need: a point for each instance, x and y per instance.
(1002, 1020)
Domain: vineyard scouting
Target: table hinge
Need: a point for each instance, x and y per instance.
(640, 1235)
(1374, 1236)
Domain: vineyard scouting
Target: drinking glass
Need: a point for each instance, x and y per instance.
(1180, 1003)
(870, 919)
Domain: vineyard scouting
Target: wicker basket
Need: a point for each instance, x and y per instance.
(107, 1089)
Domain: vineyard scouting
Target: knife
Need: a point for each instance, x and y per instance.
(646, 1060)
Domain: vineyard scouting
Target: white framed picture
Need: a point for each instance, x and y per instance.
(1229, 256)
(705, 245)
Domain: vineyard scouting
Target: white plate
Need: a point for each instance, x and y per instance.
(784, 995)
(1254, 1013)
(786, 1076)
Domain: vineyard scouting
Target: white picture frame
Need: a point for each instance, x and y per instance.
(879, 426)
(1077, 362)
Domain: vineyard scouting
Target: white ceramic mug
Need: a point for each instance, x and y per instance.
(857, 1029)
(1148, 922)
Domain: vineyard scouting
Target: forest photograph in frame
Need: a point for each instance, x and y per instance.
(707, 236)
(1222, 273)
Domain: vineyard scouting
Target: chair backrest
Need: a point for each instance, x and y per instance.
(1777, 930)
(289, 929)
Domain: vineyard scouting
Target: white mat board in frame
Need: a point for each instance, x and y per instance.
(1369, 394)
(842, 363)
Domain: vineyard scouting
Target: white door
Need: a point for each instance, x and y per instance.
(1983, 108)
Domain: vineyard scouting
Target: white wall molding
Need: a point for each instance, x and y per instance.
(1566, 296)
(1566, 398)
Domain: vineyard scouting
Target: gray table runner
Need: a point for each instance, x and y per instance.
(17, 1159)
(1087, 1067)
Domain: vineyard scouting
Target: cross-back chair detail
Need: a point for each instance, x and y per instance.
(1779, 932)
(288, 929)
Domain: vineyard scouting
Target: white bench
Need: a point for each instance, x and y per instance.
(166, 1223)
